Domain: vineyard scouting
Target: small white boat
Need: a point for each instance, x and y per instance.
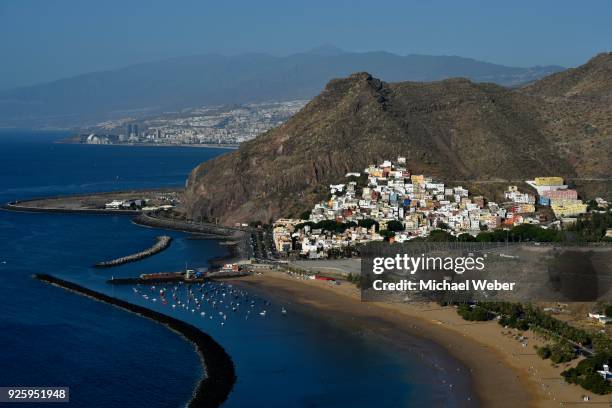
(262, 313)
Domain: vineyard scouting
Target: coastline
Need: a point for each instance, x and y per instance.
(220, 231)
(500, 368)
(208, 145)
(71, 203)
(219, 375)
(232, 238)
(17, 207)
(502, 372)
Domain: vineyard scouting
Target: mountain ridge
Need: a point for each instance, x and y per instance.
(215, 79)
(452, 129)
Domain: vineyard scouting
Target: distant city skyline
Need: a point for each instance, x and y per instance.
(45, 41)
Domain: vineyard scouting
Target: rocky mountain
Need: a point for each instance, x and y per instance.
(456, 130)
(214, 79)
(591, 80)
(575, 108)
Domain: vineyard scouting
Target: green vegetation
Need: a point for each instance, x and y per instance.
(591, 227)
(328, 225)
(386, 234)
(531, 316)
(523, 232)
(592, 205)
(562, 352)
(465, 237)
(440, 236)
(474, 313)
(355, 279)
(337, 194)
(362, 181)
(588, 228)
(585, 374)
(335, 226)
(367, 223)
(544, 352)
(359, 280)
(395, 226)
(341, 253)
(566, 339)
(602, 307)
(520, 233)
(443, 225)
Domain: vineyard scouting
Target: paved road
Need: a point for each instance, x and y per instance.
(497, 181)
(342, 266)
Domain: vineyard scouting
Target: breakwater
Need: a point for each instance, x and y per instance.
(218, 380)
(162, 243)
(24, 206)
(141, 281)
(159, 221)
(209, 276)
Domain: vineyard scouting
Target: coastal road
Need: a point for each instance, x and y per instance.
(340, 266)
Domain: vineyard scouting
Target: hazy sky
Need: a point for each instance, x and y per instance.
(45, 40)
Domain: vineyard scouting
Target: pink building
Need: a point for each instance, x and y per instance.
(561, 194)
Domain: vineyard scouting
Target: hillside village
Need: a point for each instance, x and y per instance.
(387, 201)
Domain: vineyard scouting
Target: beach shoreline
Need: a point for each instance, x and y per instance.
(502, 372)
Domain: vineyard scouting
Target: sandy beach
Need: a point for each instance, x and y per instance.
(504, 370)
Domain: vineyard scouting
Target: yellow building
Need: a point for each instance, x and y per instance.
(549, 181)
(417, 179)
(568, 208)
(526, 208)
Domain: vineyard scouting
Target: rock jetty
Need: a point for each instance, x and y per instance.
(162, 243)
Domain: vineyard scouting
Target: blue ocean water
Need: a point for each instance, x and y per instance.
(110, 358)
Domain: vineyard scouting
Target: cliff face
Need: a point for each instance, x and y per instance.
(454, 130)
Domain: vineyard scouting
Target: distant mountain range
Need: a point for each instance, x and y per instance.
(214, 79)
(483, 136)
